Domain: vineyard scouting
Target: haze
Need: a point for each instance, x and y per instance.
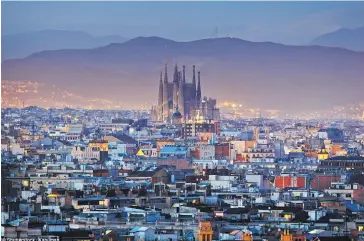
(285, 22)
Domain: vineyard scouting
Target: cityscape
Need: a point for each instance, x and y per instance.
(132, 121)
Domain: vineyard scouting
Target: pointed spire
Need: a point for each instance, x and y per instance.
(184, 77)
(165, 104)
(175, 74)
(175, 85)
(199, 87)
(160, 98)
(165, 74)
(179, 77)
(177, 98)
(194, 76)
(181, 100)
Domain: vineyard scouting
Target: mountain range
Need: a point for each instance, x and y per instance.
(23, 44)
(352, 39)
(263, 75)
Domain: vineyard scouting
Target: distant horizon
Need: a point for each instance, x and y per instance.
(137, 36)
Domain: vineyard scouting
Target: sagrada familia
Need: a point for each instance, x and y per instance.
(183, 99)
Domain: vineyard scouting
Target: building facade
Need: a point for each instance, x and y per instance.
(183, 96)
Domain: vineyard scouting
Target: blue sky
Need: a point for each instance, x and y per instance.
(282, 22)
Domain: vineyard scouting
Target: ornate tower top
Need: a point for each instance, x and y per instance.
(175, 74)
(184, 77)
(198, 94)
(165, 74)
(194, 76)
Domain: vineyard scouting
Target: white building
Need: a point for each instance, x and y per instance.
(116, 151)
(207, 152)
(81, 153)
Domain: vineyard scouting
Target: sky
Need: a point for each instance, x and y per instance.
(281, 22)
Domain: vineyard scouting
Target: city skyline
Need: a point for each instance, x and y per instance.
(228, 43)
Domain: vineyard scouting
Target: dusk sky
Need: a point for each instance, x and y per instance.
(284, 22)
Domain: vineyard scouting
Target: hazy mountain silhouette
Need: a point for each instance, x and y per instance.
(343, 38)
(24, 44)
(263, 75)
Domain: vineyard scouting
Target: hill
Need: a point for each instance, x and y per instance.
(24, 44)
(352, 39)
(263, 75)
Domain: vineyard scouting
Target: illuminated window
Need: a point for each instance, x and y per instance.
(287, 216)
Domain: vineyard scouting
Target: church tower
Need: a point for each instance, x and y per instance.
(181, 96)
(194, 77)
(198, 92)
(175, 86)
(165, 95)
(160, 99)
(184, 77)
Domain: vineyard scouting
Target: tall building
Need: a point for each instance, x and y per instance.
(184, 97)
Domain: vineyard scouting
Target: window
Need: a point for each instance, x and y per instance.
(348, 195)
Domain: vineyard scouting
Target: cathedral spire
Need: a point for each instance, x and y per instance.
(165, 105)
(198, 94)
(184, 74)
(165, 74)
(160, 98)
(175, 86)
(175, 74)
(194, 77)
(181, 96)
